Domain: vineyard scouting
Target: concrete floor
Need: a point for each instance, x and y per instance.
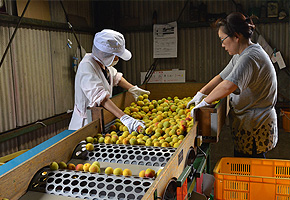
(225, 148)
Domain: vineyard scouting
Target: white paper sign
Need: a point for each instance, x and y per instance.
(165, 40)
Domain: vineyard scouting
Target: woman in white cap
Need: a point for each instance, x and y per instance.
(96, 78)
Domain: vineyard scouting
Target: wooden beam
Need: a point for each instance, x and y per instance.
(36, 23)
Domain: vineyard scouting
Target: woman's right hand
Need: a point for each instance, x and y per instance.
(196, 99)
(131, 123)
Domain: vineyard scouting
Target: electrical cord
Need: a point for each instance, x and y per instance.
(150, 71)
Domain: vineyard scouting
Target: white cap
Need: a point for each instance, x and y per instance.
(107, 45)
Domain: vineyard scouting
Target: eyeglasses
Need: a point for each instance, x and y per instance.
(224, 39)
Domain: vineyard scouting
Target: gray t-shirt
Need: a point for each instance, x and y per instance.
(252, 104)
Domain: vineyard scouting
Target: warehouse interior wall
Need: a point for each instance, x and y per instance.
(199, 50)
(37, 79)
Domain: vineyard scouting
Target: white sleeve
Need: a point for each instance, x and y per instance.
(92, 85)
(116, 75)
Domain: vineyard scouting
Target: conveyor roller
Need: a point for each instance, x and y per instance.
(126, 154)
(89, 185)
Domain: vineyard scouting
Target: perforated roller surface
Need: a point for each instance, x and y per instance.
(90, 185)
(128, 154)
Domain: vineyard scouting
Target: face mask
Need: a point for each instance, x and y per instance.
(114, 63)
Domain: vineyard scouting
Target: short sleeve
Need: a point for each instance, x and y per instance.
(242, 73)
(229, 68)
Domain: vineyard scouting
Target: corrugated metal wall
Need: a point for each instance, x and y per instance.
(199, 53)
(82, 8)
(63, 75)
(37, 78)
(278, 37)
(199, 49)
(33, 84)
(7, 105)
(40, 82)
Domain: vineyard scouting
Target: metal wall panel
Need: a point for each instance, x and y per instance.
(278, 37)
(33, 81)
(33, 138)
(81, 8)
(30, 140)
(63, 74)
(167, 11)
(41, 77)
(7, 106)
(85, 10)
(199, 49)
(56, 12)
(170, 10)
(199, 53)
(141, 47)
(86, 41)
(9, 147)
(61, 126)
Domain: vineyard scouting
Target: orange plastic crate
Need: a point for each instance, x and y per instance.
(252, 179)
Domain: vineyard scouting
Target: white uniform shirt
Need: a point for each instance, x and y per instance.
(253, 115)
(91, 88)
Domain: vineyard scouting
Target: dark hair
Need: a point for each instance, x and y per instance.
(236, 23)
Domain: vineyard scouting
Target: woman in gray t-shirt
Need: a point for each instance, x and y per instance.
(250, 80)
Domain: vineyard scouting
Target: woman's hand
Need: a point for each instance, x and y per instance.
(203, 103)
(131, 123)
(136, 92)
(196, 99)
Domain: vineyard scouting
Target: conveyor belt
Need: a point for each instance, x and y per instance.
(87, 185)
(127, 154)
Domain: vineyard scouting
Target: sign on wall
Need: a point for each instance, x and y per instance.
(165, 40)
